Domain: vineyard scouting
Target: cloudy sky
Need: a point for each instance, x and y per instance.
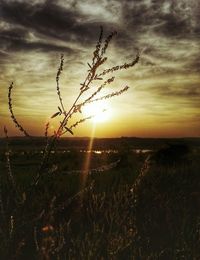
(164, 94)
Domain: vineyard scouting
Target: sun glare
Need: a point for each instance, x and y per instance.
(100, 111)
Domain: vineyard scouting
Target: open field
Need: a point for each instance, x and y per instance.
(118, 206)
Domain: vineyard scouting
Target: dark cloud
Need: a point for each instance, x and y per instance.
(168, 18)
(173, 26)
(16, 40)
(50, 20)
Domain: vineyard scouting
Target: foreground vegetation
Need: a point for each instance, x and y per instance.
(118, 214)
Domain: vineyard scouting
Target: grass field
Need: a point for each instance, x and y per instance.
(120, 211)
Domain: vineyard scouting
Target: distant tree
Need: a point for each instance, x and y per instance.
(171, 155)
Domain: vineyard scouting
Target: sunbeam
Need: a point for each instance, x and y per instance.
(86, 165)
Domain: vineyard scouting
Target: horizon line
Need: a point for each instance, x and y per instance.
(96, 137)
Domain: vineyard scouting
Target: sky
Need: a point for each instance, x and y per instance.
(163, 99)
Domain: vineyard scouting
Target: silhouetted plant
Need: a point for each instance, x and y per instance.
(14, 223)
(93, 75)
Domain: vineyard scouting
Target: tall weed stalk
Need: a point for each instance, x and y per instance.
(94, 75)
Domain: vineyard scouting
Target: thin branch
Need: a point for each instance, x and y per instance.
(17, 124)
(60, 69)
(120, 67)
(79, 106)
(107, 41)
(46, 130)
(9, 170)
(116, 93)
(98, 46)
(82, 120)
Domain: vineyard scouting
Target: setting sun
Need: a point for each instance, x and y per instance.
(100, 111)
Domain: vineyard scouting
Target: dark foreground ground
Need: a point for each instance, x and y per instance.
(139, 205)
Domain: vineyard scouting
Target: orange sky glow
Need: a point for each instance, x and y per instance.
(163, 99)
